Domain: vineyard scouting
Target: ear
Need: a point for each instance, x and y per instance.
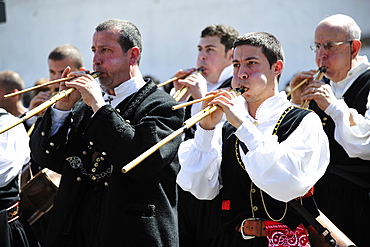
(278, 67)
(134, 53)
(355, 48)
(229, 54)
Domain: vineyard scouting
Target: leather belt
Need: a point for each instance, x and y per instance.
(252, 227)
(13, 212)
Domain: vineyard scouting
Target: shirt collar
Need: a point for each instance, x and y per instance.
(124, 90)
(271, 107)
(339, 88)
(226, 73)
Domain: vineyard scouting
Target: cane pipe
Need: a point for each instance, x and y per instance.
(299, 85)
(44, 105)
(183, 90)
(319, 77)
(174, 79)
(42, 85)
(192, 102)
(187, 124)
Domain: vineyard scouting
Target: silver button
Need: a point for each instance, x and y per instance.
(52, 144)
(47, 151)
(79, 179)
(106, 184)
(91, 143)
(43, 133)
(118, 110)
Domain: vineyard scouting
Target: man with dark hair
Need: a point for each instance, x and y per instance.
(266, 153)
(89, 142)
(61, 57)
(342, 102)
(198, 218)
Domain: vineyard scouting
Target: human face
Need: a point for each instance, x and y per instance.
(212, 57)
(56, 67)
(253, 72)
(109, 59)
(338, 62)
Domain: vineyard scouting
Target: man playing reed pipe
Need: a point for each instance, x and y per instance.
(198, 218)
(89, 142)
(266, 154)
(58, 59)
(342, 102)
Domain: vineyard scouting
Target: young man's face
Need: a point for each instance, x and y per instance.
(253, 72)
(212, 57)
(56, 68)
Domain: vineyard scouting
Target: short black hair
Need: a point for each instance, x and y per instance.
(226, 33)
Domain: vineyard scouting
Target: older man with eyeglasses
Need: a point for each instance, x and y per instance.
(342, 102)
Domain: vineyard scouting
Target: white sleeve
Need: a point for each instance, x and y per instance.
(200, 160)
(288, 169)
(354, 139)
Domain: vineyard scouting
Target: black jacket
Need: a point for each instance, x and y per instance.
(138, 208)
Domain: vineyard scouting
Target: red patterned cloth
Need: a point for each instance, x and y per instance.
(280, 235)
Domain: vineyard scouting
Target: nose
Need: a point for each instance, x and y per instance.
(321, 53)
(55, 76)
(202, 56)
(242, 74)
(96, 60)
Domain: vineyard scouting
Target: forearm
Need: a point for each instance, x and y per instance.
(354, 138)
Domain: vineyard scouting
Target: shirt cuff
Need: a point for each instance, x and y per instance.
(336, 109)
(58, 116)
(203, 138)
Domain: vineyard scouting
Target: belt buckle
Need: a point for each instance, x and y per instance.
(246, 237)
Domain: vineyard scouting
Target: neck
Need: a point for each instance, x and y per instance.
(17, 110)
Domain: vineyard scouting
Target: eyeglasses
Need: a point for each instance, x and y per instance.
(329, 46)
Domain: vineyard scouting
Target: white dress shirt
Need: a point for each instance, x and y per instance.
(284, 170)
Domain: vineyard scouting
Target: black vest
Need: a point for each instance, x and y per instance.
(237, 183)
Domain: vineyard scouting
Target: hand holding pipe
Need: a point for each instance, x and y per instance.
(182, 91)
(174, 79)
(42, 85)
(45, 105)
(319, 77)
(187, 124)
